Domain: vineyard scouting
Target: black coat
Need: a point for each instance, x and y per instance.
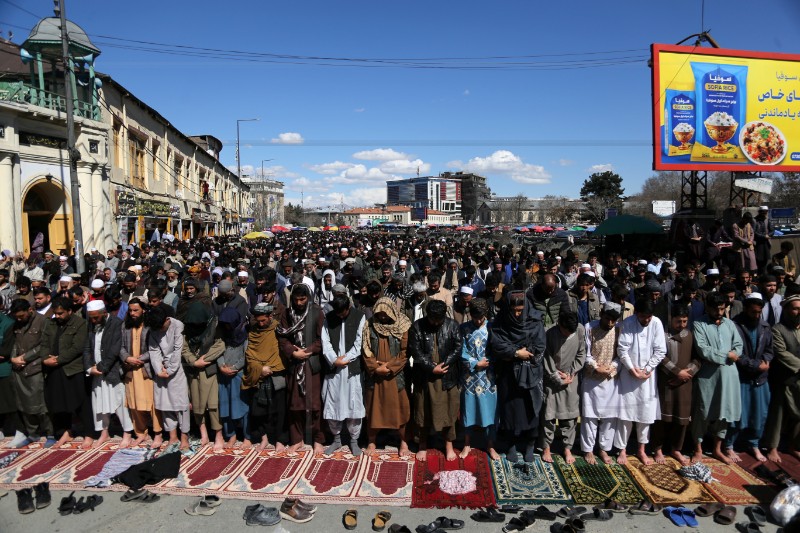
(420, 348)
(110, 346)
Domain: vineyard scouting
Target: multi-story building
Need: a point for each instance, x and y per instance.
(136, 172)
(424, 193)
(474, 192)
(266, 201)
(372, 216)
(522, 210)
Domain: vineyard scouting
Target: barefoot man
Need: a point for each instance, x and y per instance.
(675, 388)
(717, 397)
(600, 402)
(641, 349)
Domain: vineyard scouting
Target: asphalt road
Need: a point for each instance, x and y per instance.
(167, 515)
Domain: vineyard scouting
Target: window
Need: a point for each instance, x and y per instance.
(156, 162)
(137, 167)
(178, 171)
(118, 144)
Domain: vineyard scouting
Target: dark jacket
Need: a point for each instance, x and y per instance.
(70, 343)
(420, 348)
(750, 360)
(110, 347)
(594, 304)
(549, 306)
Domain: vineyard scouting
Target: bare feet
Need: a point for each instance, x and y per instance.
(607, 459)
(697, 457)
(719, 456)
(296, 446)
(246, 444)
(203, 435)
(140, 439)
(219, 443)
(795, 454)
(318, 448)
(568, 457)
(682, 459)
(493, 454)
(758, 455)
(422, 455)
(644, 458)
(87, 443)
(733, 456)
(773, 455)
(465, 452)
(370, 451)
(449, 452)
(659, 458)
(263, 444)
(590, 458)
(404, 451)
(231, 442)
(279, 447)
(102, 440)
(158, 440)
(65, 438)
(184, 441)
(126, 440)
(547, 457)
(622, 458)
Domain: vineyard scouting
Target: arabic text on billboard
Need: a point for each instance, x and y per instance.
(730, 110)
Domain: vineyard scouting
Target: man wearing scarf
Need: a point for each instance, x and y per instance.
(138, 378)
(189, 297)
(234, 403)
(324, 292)
(265, 375)
(434, 342)
(518, 343)
(201, 349)
(299, 337)
(452, 276)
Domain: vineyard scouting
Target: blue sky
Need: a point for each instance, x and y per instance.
(339, 132)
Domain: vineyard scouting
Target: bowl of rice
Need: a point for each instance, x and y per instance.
(721, 127)
(762, 143)
(683, 133)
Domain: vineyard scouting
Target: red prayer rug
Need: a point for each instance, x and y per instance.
(41, 465)
(735, 486)
(789, 464)
(206, 471)
(74, 475)
(386, 480)
(329, 478)
(464, 483)
(267, 475)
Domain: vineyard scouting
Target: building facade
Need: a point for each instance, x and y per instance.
(421, 194)
(372, 216)
(474, 192)
(519, 210)
(266, 202)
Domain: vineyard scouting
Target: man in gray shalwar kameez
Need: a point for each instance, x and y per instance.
(717, 394)
(171, 390)
(564, 357)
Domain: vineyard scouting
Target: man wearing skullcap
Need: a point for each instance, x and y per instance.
(461, 305)
(583, 301)
(98, 289)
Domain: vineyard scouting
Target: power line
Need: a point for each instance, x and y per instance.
(31, 13)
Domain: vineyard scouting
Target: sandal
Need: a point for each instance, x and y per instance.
(725, 516)
(397, 528)
(350, 519)
(518, 523)
(148, 497)
(67, 505)
(544, 513)
(489, 515)
(131, 495)
(601, 515)
(675, 515)
(448, 523)
(568, 511)
(756, 514)
(379, 522)
(708, 509)
(689, 517)
(510, 508)
(613, 506)
(647, 508)
(562, 528)
(578, 524)
(748, 527)
(200, 508)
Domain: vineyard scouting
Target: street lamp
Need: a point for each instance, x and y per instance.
(238, 154)
(262, 192)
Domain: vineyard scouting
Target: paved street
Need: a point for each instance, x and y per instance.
(167, 515)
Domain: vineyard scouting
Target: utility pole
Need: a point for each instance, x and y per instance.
(73, 153)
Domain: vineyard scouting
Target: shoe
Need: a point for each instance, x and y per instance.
(295, 513)
(49, 443)
(265, 516)
(67, 505)
(19, 443)
(201, 508)
(756, 514)
(212, 500)
(350, 519)
(25, 501)
(379, 522)
(42, 491)
(302, 505)
(250, 509)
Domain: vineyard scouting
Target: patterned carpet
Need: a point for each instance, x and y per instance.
(434, 480)
(735, 486)
(590, 484)
(664, 486)
(528, 483)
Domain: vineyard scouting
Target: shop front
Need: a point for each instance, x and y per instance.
(203, 224)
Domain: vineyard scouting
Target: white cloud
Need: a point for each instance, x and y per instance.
(306, 185)
(566, 162)
(329, 169)
(404, 166)
(365, 197)
(360, 109)
(601, 168)
(289, 138)
(380, 154)
(360, 174)
(507, 163)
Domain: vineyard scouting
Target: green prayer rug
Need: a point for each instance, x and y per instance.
(590, 484)
(528, 483)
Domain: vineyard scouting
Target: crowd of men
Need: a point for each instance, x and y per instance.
(319, 338)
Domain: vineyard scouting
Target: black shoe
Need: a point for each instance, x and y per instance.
(42, 491)
(25, 501)
(67, 505)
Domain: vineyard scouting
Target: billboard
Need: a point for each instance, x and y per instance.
(728, 110)
(663, 208)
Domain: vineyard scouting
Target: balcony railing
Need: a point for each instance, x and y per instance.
(22, 93)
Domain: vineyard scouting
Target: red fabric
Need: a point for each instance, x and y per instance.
(427, 494)
(788, 464)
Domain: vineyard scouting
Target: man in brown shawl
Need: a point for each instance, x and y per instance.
(675, 373)
(385, 340)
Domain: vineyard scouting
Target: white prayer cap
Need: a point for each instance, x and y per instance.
(586, 265)
(62, 257)
(754, 296)
(642, 262)
(64, 279)
(466, 290)
(763, 208)
(96, 305)
(540, 252)
(712, 272)
(429, 251)
(350, 261)
(215, 253)
(590, 273)
(416, 250)
(242, 274)
(402, 262)
(613, 308)
(558, 257)
(97, 284)
(92, 249)
(344, 249)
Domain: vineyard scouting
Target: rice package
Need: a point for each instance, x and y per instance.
(721, 92)
(680, 122)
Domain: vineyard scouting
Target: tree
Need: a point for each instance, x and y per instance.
(785, 190)
(601, 191)
(557, 209)
(294, 214)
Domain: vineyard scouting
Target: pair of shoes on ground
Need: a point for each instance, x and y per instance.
(139, 495)
(441, 524)
(723, 514)
(25, 498)
(350, 520)
(681, 516)
(204, 506)
(258, 515)
(645, 507)
(69, 505)
(294, 510)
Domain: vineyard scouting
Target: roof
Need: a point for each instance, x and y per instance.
(434, 212)
(48, 32)
(378, 210)
(11, 62)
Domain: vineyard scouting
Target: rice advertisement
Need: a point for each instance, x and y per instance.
(730, 110)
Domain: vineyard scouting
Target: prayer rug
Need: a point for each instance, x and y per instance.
(386, 480)
(268, 475)
(328, 478)
(663, 485)
(464, 483)
(40, 465)
(74, 475)
(528, 483)
(734, 486)
(788, 464)
(591, 484)
(206, 471)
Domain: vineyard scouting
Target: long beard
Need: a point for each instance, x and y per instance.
(131, 322)
(791, 321)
